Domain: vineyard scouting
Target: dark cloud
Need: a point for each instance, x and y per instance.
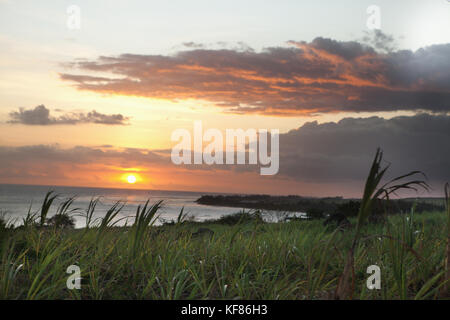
(53, 154)
(380, 41)
(321, 76)
(347, 50)
(55, 165)
(40, 115)
(342, 151)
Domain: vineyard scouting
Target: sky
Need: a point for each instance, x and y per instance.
(91, 104)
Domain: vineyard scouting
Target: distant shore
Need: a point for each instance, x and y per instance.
(295, 203)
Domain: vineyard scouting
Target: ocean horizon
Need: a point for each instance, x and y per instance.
(17, 199)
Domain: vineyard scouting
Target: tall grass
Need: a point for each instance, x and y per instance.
(109, 220)
(145, 217)
(372, 192)
(446, 287)
(89, 214)
(290, 260)
(48, 200)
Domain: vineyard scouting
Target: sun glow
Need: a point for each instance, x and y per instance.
(131, 179)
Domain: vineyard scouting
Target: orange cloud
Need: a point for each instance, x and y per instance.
(306, 78)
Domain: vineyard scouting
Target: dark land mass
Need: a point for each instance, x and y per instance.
(318, 206)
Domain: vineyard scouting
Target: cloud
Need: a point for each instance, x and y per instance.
(380, 41)
(342, 151)
(106, 167)
(40, 115)
(332, 156)
(52, 154)
(79, 165)
(304, 78)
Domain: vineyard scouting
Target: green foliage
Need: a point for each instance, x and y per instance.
(314, 213)
(46, 204)
(349, 208)
(446, 287)
(109, 220)
(61, 221)
(62, 218)
(2, 222)
(289, 260)
(241, 217)
(145, 217)
(372, 195)
(447, 205)
(89, 214)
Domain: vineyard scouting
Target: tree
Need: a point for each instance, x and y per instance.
(63, 221)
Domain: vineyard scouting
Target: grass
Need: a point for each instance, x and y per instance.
(373, 193)
(250, 260)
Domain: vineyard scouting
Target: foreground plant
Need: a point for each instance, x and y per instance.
(446, 287)
(372, 193)
(145, 217)
(46, 204)
(63, 218)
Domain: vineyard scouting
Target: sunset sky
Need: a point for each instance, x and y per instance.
(94, 105)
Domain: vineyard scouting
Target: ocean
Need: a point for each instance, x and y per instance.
(16, 200)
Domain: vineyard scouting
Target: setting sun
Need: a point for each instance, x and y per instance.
(131, 179)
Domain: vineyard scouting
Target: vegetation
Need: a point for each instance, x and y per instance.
(318, 206)
(371, 196)
(241, 217)
(251, 260)
(235, 257)
(267, 202)
(446, 287)
(61, 221)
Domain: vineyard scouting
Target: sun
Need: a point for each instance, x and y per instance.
(131, 179)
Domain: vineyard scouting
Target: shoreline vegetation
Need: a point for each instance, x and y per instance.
(239, 256)
(317, 206)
